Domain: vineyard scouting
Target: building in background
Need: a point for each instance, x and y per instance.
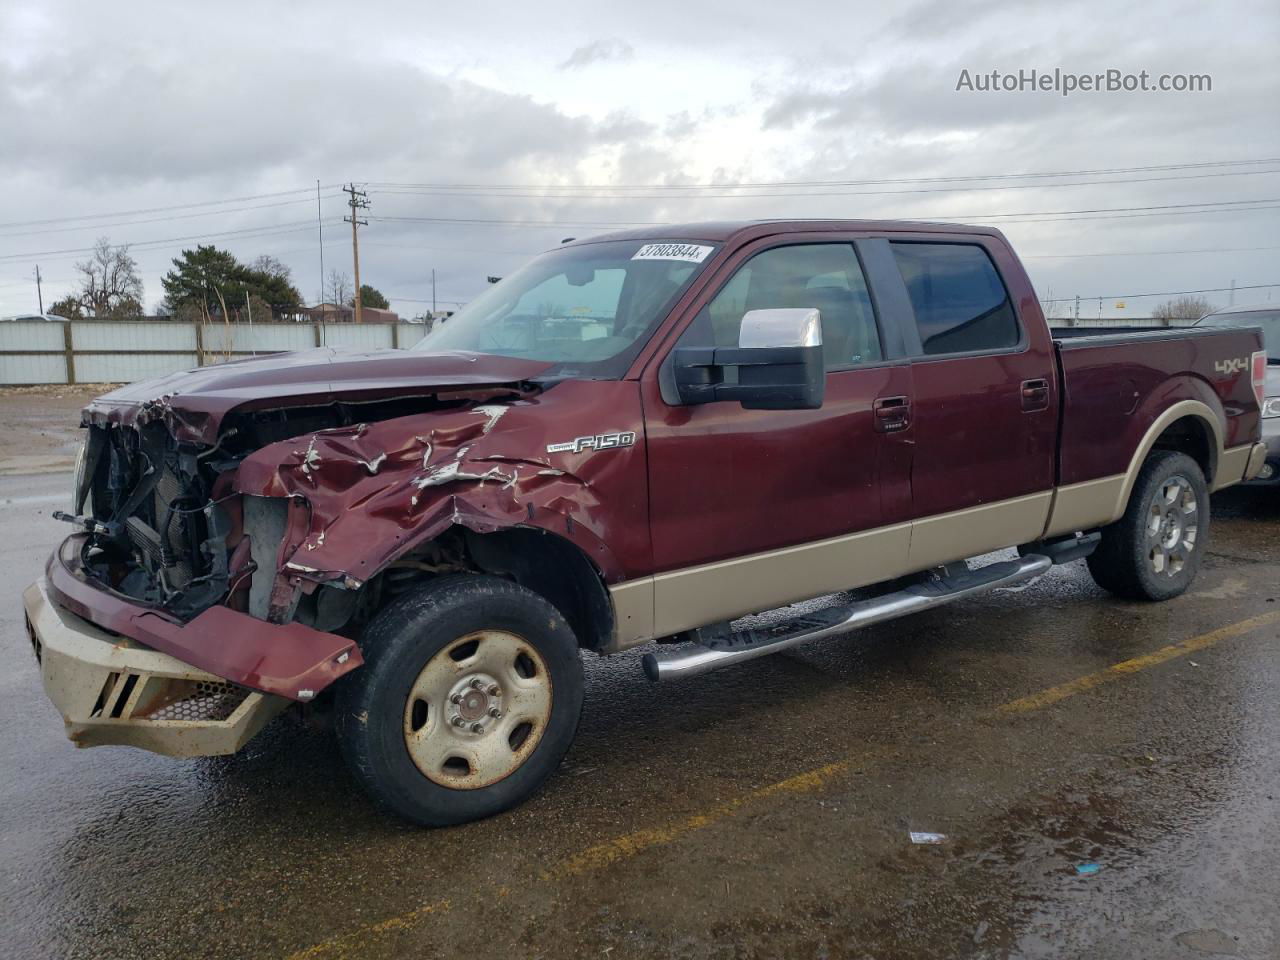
(337, 313)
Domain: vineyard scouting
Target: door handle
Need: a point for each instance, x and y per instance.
(892, 414)
(1035, 394)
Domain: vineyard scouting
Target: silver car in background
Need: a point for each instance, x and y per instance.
(1266, 316)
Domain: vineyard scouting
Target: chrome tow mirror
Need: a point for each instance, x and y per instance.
(777, 364)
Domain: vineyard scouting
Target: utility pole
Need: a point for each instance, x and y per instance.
(39, 292)
(357, 200)
(249, 310)
(1076, 316)
(320, 224)
(433, 291)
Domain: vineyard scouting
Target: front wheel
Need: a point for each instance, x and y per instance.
(468, 700)
(1153, 552)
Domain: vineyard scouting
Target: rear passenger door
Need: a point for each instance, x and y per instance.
(985, 404)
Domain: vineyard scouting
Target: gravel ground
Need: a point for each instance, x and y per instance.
(42, 426)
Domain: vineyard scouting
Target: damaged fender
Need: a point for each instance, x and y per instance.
(364, 495)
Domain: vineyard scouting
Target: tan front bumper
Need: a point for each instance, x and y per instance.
(111, 690)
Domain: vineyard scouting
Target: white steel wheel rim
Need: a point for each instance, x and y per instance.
(1173, 521)
(478, 710)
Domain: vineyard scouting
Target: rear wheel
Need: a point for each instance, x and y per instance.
(468, 700)
(1153, 552)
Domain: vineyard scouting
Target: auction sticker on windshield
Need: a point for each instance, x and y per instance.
(692, 252)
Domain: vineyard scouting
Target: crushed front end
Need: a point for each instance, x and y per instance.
(234, 534)
(142, 623)
(156, 531)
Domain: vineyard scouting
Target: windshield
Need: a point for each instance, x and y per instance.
(1268, 320)
(588, 309)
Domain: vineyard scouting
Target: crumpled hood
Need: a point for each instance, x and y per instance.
(194, 403)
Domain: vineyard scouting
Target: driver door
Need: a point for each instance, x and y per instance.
(753, 509)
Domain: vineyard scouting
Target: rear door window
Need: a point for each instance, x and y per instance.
(960, 303)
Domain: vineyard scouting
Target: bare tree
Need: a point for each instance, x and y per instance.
(338, 289)
(1053, 309)
(272, 268)
(1182, 308)
(109, 281)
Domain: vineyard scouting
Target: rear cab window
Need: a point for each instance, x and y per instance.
(960, 303)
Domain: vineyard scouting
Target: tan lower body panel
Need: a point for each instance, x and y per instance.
(632, 612)
(1084, 506)
(976, 530)
(1234, 464)
(667, 603)
(1095, 503)
(1257, 460)
(690, 598)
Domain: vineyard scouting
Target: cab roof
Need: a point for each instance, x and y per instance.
(719, 231)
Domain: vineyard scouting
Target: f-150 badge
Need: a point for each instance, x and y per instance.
(600, 441)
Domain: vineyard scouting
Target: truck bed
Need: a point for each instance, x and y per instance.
(1117, 382)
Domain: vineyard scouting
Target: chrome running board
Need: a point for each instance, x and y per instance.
(689, 660)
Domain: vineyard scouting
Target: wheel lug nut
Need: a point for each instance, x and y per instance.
(476, 684)
(495, 712)
(456, 698)
(477, 727)
(494, 690)
(459, 722)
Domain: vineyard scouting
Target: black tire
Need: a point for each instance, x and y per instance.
(1123, 562)
(374, 710)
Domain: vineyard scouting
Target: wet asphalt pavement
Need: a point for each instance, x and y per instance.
(758, 812)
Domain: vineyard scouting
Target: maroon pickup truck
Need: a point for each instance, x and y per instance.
(639, 437)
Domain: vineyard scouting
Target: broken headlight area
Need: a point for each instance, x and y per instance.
(158, 532)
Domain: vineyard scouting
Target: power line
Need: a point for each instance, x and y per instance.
(178, 206)
(675, 188)
(1165, 293)
(183, 216)
(150, 244)
(1159, 206)
(395, 296)
(843, 183)
(1141, 253)
(1242, 204)
(826, 193)
(1121, 216)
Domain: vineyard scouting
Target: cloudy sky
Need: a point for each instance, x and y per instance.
(489, 131)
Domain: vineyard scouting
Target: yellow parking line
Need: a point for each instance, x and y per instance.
(600, 855)
(630, 844)
(1044, 698)
(359, 938)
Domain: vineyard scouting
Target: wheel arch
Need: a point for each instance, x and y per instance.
(1188, 426)
(554, 568)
